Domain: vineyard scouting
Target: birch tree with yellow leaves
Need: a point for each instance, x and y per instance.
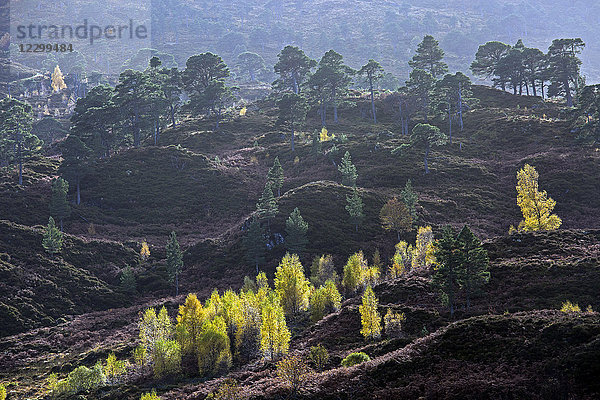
(536, 205)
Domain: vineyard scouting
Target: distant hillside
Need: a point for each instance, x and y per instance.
(387, 31)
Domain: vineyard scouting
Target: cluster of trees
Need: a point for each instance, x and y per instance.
(233, 327)
(519, 67)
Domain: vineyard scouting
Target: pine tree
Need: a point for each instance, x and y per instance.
(255, 244)
(275, 176)
(58, 81)
(296, 229)
(421, 85)
(354, 207)
(348, 171)
(395, 216)
(16, 140)
(564, 66)
(174, 261)
(487, 59)
(372, 71)
(274, 333)
(448, 268)
(369, 316)
(59, 206)
(424, 135)
(128, 283)
(266, 208)
(53, 238)
(536, 206)
(410, 198)
(293, 66)
(429, 57)
(292, 112)
(475, 263)
(291, 285)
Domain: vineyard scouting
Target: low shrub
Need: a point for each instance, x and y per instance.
(355, 359)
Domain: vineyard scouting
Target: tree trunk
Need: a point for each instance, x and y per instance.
(449, 123)
(568, 93)
(373, 101)
(460, 108)
(425, 159)
(20, 147)
(292, 137)
(177, 284)
(335, 115)
(172, 115)
(78, 191)
(533, 87)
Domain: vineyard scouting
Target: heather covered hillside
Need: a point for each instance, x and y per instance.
(255, 215)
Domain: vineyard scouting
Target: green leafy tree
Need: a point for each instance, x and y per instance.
(410, 198)
(372, 72)
(292, 66)
(75, 164)
(425, 135)
(294, 371)
(166, 358)
(274, 333)
(369, 316)
(296, 229)
(16, 140)
(348, 171)
(292, 112)
(53, 238)
(564, 67)
(354, 206)
(266, 208)
(214, 351)
(150, 396)
(174, 261)
(429, 57)
(324, 300)
(275, 176)
(255, 243)
(291, 285)
(395, 216)
(59, 206)
(154, 328)
(319, 356)
(475, 263)
(323, 270)
(354, 272)
(535, 205)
